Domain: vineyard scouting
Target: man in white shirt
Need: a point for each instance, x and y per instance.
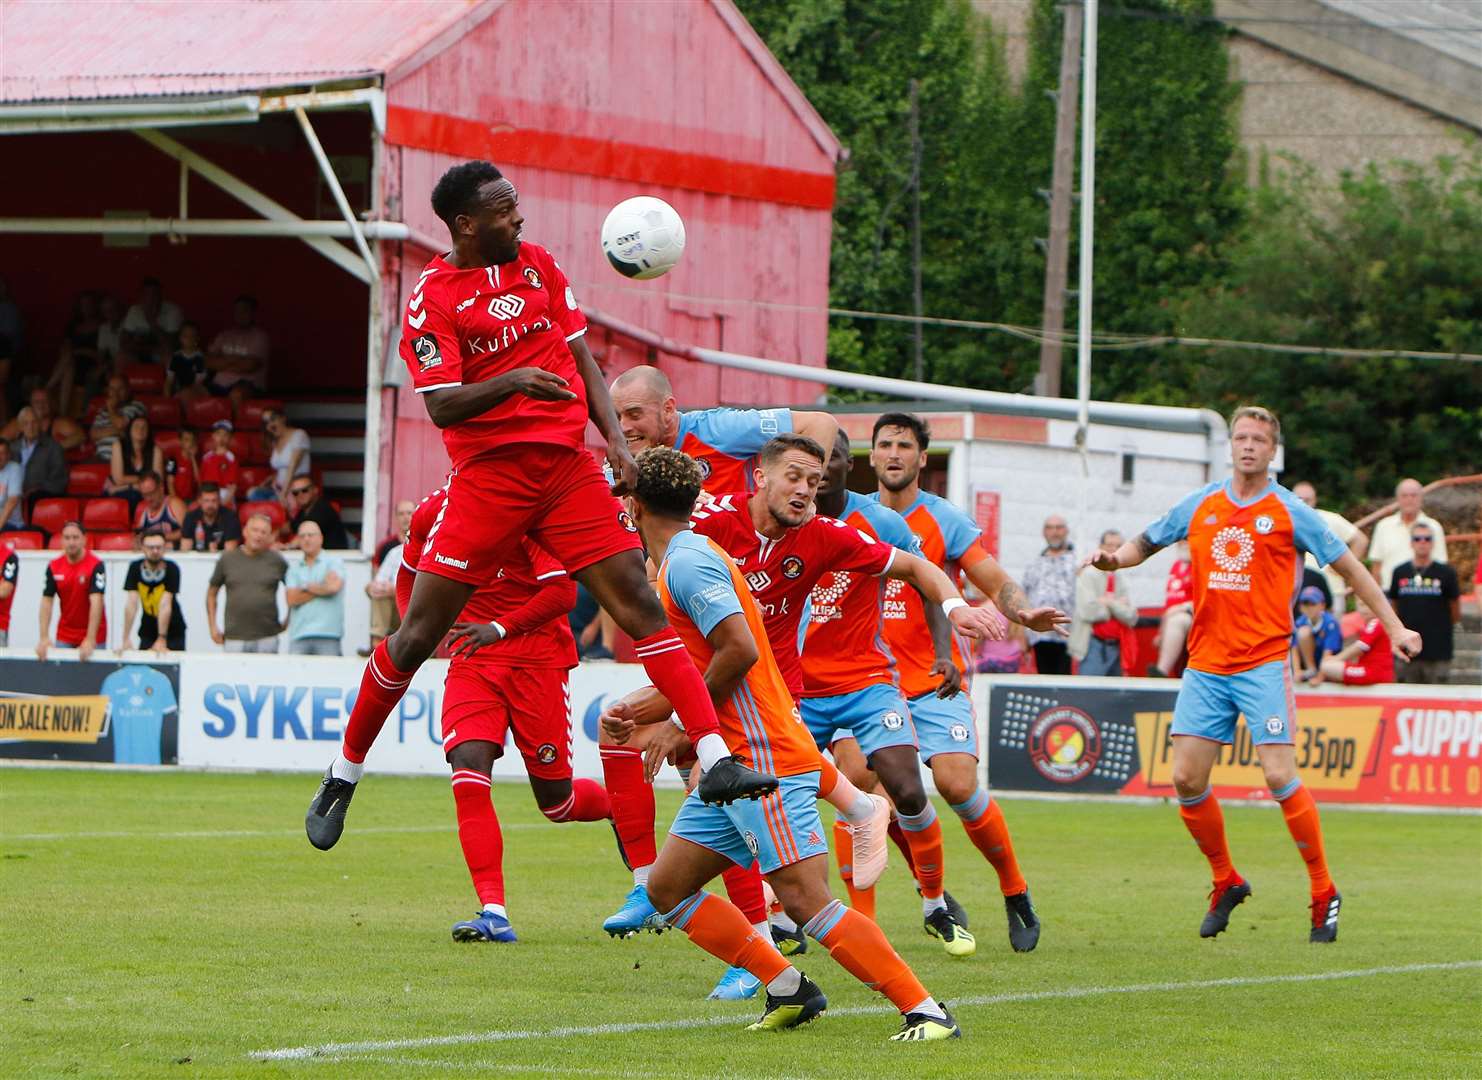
(1390, 545)
(1344, 530)
(153, 321)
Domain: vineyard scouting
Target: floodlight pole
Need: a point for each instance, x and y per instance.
(1083, 324)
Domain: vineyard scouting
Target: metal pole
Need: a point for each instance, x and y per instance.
(1062, 184)
(1088, 216)
(916, 303)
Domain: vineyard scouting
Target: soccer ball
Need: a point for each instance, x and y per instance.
(643, 237)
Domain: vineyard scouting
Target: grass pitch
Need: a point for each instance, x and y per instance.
(173, 924)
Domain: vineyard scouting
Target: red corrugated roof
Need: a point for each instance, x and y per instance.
(56, 50)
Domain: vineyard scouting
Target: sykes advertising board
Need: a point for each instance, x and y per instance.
(1406, 745)
(278, 712)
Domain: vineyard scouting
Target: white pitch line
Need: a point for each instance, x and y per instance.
(221, 834)
(353, 1048)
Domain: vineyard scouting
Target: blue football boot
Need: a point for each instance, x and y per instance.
(636, 914)
(737, 984)
(485, 926)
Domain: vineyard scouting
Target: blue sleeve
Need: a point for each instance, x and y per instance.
(1310, 531)
(892, 528)
(959, 532)
(1174, 525)
(738, 432)
(701, 585)
(1332, 635)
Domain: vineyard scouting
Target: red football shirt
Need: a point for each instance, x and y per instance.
(73, 584)
(781, 573)
(220, 468)
(1180, 587)
(467, 326)
(527, 569)
(10, 571)
(1377, 657)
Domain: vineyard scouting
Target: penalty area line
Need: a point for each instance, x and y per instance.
(351, 1049)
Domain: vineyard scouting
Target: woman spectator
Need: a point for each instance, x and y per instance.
(136, 455)
(77, 367)
(288, 455)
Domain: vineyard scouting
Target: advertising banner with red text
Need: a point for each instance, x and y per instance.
(1402, 745)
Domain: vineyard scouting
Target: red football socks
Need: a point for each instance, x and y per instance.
(1300, 810)
(721, 930)
(479, 835)
(861, 949)
(861, 900)
(669, 667)
(381, 687)
(744, 887)
(632, 802)
(1206, 824)
(588, 801)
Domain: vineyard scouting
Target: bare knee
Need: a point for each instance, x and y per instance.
(802, 898)
(620, 585)
(901, 777)
(665, 891)
(1189, 779)
(476, 756)
(552, 796)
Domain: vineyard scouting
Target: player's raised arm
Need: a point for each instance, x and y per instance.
(1364, 586)
(984, 571)
(821, 427)
(937, 588)
(604, 416)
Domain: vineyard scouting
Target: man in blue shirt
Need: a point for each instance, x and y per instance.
(1317, 634)
(316, 597)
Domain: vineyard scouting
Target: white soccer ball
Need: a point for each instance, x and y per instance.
(643, 237)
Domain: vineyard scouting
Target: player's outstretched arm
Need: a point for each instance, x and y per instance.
(994, 582)
(1367, 589)
(1134, 552)
(599, 408)
(937, 588)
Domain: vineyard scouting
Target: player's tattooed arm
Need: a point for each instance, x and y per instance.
(1134, 552)
(1146, 549)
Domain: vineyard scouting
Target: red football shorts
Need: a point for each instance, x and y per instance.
(556, 494)
(1359, 675)
(481, 702)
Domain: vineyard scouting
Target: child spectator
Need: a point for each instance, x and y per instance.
(219, 466)
(183, 470)
(1317, 635)
(1367, 660)
(187, 375)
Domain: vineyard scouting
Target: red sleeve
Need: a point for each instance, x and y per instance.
(1372, 635)
(853, 549)
(563, 307)
(429, 336)
(552, 600)
(405, 579)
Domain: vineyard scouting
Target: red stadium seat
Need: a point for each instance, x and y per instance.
(164, 412)
(52, 514)
(168, 442)
(273, 510)
(111, 541)
(251, 476)
(249, 416)
(105, 515)
(204, 412)
(23, 540)
(83, 451)
(145, 378)
(249, 447)
(87, 478)
(55, 543)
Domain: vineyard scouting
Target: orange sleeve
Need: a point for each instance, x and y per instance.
(972, 556)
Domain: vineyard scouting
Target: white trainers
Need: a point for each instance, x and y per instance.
(870, 844)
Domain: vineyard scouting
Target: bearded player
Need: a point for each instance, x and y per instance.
(494, 341)
(1247, 536)
(713, 610)
(512, 650)
(946, 727)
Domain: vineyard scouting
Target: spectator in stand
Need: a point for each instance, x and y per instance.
(1050, 580)
(1101, 637)
(12, 326)
(1178, 615)
(132, 459)
(152, 323)
(1391, 543)
(251, 575)
(316, 597)
(238, 358)
(1344, 530)
(1003, 657)
(78, 578)
(66, 431)
(384, 618)
(210, 526)
(112, 422)
(1317, 634)
(12, 491)
(183, 468)
(10, 573)
(1365, 661)
(78, 364)
(153, 585)
(186, 378)
(308, 504)
(219, 466)
(110, 328)
(1427, 597)
(289, 456)
(159, 512)
(43, 464)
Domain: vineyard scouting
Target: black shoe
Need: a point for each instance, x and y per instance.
(728, 780)
(956, 910)
(954, 937)
(919, 1027)
(1222, 901)
(1325, 917)
(325, 820)
(794, 1010)
(789, 942)
(1023, 922)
